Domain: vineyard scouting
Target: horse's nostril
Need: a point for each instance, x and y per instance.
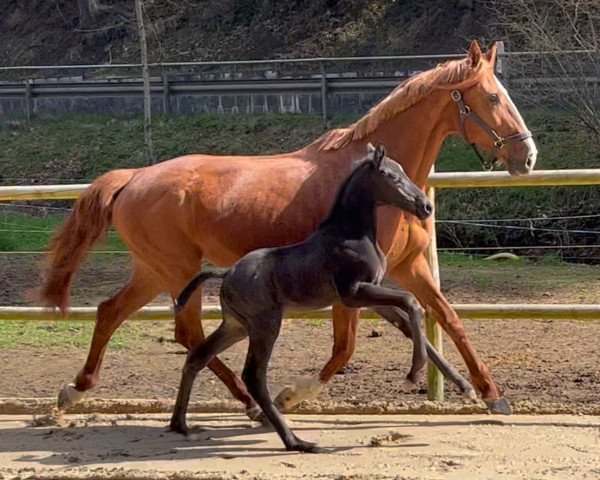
(529, 162)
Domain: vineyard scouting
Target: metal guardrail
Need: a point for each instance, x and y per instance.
(158, 86)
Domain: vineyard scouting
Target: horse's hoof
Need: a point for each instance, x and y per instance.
(257, 415)
(68, 396)
(498, 405)
(469, 396)
(286, 399)
(307, 447)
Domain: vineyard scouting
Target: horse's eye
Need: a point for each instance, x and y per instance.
(494, 98)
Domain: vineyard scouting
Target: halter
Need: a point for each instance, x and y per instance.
(499, 142)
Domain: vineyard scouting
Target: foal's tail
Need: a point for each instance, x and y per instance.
(191, 287)
(89, 220)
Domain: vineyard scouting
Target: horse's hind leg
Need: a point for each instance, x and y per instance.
(345, 323)
(189, 332)
(228, 333)
(399, 319)
(141, 288)
(263, 331)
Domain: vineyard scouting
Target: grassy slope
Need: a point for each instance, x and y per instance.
(79, 148)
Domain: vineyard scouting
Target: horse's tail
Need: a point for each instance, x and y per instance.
(191, 287)
(89, 220)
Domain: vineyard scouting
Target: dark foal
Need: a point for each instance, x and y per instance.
(341, 261)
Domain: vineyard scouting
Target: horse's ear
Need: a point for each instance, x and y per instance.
(475, 53)
(379, 155)
(490, 55)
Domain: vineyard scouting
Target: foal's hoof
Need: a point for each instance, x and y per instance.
(178, 426)
(68, 396)
(303, 446)
(498, 405)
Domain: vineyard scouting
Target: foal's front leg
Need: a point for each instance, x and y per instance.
(365, 294)
(399, 319)
(263, 332)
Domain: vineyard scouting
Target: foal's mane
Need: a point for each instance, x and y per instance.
(447, 75)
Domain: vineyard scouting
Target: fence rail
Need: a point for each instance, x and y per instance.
(472, 311)
(437, 180)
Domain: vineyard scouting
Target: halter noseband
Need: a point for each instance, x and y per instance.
(499, 142)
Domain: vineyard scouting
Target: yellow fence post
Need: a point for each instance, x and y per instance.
(435, 379)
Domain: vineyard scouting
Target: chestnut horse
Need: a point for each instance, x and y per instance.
(175, 214)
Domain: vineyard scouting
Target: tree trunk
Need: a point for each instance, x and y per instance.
(150, 157)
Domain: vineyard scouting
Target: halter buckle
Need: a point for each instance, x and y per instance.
(456, 96)
(500, 143)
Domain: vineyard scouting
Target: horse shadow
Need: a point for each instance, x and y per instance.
(127, 441)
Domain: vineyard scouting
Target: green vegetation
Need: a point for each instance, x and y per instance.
(22, 333)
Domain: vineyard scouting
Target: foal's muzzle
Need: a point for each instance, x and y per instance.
(424, 209)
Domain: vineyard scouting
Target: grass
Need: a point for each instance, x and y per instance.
(22, 333)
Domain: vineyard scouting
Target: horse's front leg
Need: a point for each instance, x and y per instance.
(345, 324)
(365, 294)
(414, 275)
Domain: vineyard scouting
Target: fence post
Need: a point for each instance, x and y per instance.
(435, 379)
(28, 108)
(324, 93)
(501, 61)
(165, 98)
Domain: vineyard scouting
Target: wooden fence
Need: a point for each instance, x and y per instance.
(436, 180)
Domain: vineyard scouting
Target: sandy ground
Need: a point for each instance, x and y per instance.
(376, 446)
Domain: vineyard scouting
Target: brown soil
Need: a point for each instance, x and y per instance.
(550, 361)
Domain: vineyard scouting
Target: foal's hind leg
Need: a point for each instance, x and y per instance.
(189, 332)
(263, 331)
(399, 319)
(141, 288)
(228, 333)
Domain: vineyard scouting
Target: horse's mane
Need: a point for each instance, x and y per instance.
(447, 75)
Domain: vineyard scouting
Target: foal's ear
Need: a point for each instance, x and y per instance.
(378, 155)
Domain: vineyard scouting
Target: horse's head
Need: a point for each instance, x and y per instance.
(488, 118)
(393, 187)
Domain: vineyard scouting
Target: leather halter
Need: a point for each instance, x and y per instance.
(499, 142)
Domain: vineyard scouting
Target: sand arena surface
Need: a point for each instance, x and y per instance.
(137, 446)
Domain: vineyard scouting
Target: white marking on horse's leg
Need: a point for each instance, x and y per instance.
(254, 413)
(69, 396)
(306, 388)
(470, 396)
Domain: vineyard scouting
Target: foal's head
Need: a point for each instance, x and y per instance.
(393, 187)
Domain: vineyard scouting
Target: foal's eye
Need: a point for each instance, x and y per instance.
(494, 98)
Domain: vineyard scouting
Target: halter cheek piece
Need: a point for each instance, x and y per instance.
(499, 142)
